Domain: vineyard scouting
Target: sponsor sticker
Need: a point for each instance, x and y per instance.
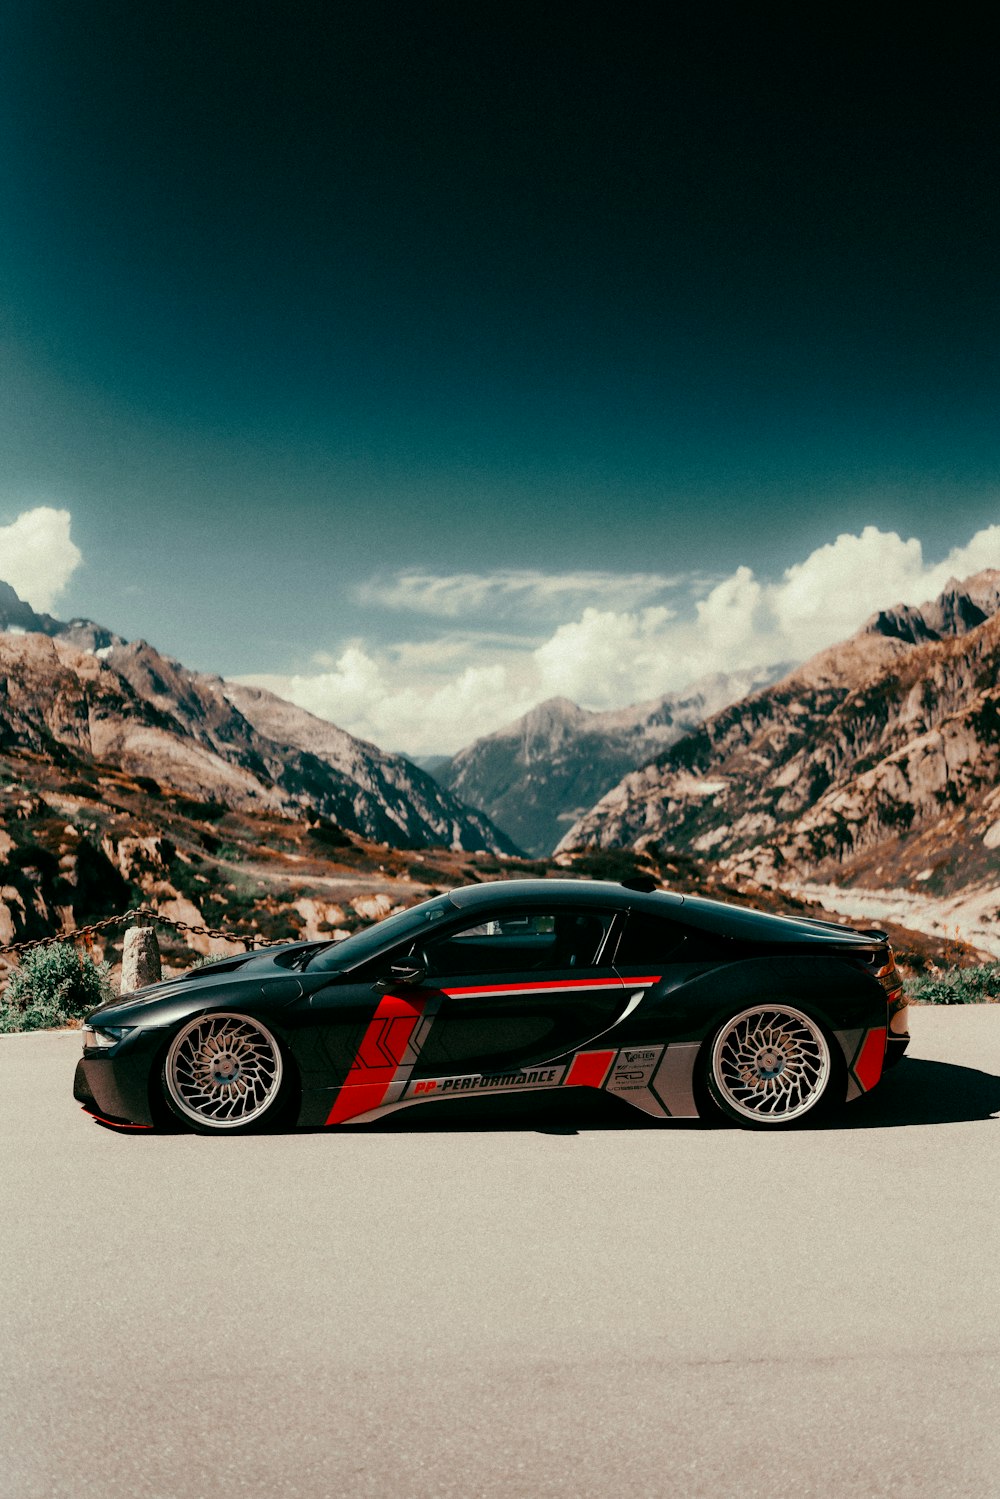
(633, 1068)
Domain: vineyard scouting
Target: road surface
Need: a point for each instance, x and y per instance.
(565, 1306)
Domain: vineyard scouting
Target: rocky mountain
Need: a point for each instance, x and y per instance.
(83, 841)
(877, 760)
(77, 693)
(538, 775)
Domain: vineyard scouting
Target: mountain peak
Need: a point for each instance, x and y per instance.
(961, 606)
(16, 616)
(538, 774)
(553, 711)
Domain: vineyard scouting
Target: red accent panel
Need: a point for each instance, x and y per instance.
(382, 1048)
(394, 1005)
(588, 1069)
(868, 1067)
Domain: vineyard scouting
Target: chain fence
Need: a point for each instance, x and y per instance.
(250, 941)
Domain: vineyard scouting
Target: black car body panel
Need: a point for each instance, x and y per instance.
(522, 984)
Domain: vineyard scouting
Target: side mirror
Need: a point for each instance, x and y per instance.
(405, 971)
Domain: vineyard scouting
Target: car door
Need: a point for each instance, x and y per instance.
(342, 1004)
(518, 990)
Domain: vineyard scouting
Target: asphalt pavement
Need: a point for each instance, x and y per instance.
(544, 1303)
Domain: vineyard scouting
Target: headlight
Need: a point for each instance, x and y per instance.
(103, 1037)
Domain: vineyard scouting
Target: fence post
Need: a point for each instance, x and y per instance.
(140, 956)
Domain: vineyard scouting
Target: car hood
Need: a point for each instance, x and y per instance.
(265, 975)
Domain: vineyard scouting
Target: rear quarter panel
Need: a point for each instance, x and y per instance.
(694, 999)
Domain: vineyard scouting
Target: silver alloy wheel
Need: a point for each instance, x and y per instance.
(770, 1064)
(223, 1071)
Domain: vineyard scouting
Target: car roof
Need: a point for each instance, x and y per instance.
(555, 892)
(740, 923)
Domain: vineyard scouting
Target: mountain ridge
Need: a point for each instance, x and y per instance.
(77, 689)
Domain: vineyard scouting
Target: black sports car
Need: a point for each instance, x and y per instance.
(675, 1004)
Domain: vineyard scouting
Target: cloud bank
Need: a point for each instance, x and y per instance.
(622, 645)
(37, 557)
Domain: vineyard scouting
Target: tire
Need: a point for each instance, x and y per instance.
(225, 1073)
(771, 1065)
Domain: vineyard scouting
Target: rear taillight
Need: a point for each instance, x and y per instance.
(891, 980)
(889, 976)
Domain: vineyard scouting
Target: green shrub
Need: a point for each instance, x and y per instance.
(199, 811)
(53, 985)
(328, 835)
(958, 986)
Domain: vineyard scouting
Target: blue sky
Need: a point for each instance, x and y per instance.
(407, 338)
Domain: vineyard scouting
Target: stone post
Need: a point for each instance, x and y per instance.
(140, 957)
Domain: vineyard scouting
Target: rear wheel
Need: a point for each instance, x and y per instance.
(769, 1066)
(224, 1072)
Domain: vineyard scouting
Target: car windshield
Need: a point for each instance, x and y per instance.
(411, 923)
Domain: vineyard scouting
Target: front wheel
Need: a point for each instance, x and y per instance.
(769, 1066)
(223, 1072)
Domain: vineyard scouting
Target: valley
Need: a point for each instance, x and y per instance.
(862, 784)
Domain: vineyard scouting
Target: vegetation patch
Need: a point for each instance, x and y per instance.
(608, 864)
(53, 985)
(957, 986)
(198, 811)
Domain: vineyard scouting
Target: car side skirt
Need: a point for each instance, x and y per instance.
(658, 1080)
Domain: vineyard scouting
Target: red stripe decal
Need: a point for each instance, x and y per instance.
(113, 1123)
(868, 1067)
(541, 986)
(588, 1069)
(382, 1048)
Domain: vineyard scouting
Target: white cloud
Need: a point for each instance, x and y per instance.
(983, 551)
(604, 658)
(838, 585)
(457, 595)
(435, 696)
(37, 557)
(378, 699)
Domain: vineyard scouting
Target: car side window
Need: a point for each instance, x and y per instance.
(520, 941)
(647, 939)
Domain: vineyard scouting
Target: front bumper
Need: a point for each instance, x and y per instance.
(117, 1085)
